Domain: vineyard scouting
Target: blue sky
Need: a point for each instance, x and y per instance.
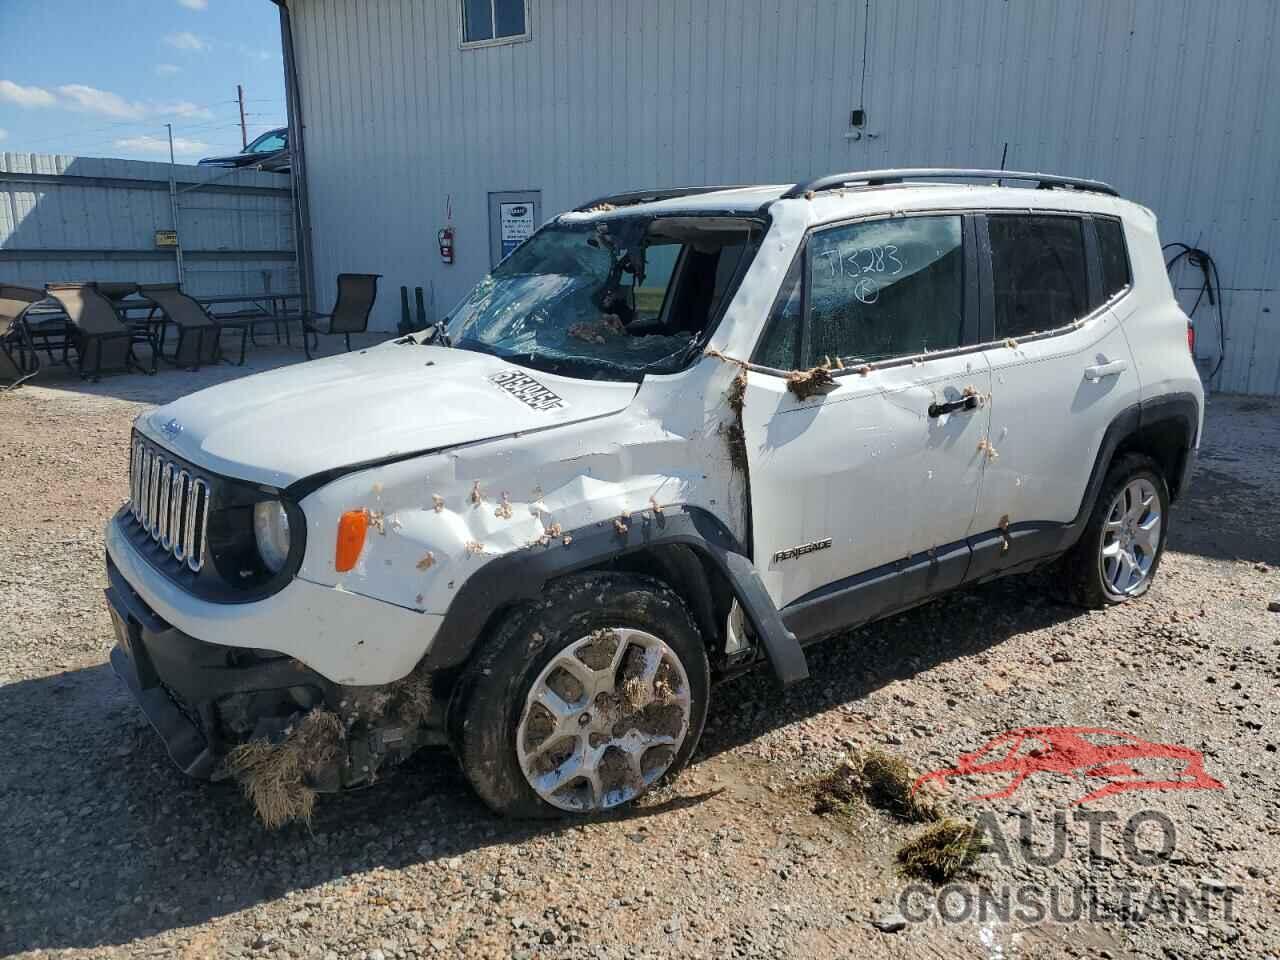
(98, 79)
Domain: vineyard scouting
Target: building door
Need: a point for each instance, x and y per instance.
(868, 488)
(513, 217)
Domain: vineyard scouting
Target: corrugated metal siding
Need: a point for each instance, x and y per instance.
(1171, 100)
(70, 215)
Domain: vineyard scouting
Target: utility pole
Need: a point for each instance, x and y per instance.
(244, 133)
(173, 210)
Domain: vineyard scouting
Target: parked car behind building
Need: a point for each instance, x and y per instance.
(269, 152)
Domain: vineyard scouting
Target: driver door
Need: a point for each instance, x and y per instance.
(862, 494)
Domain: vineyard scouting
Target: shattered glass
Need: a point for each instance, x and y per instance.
(566, 301)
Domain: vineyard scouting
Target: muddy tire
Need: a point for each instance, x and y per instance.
(582, 701)
(1118, 554)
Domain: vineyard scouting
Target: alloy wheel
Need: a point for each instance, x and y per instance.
(1131, 537)
(604, 720)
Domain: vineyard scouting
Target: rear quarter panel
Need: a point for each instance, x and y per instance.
(1154, 324)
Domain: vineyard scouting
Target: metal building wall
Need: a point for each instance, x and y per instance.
(82, 218)
(1173, 101)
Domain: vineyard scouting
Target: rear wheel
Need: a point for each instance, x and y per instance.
(583, 702)
(1116, 558)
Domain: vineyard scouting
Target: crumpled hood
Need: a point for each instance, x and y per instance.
(391, 400)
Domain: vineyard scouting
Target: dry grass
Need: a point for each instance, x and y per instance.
(807, 383)
(737, 441)
(635, 695)
(412, 697)
(943, 852)
(273, 775)
(737, 397)
(878, 779)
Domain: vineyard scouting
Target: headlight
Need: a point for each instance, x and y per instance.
(271, 531)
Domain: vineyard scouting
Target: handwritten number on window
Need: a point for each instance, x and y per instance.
(858, 261)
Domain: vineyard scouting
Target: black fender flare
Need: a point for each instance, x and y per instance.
(1183, 409)
(521, 575)
(1180, 407)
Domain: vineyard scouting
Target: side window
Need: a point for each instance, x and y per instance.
(885, 289)
(1038, 272)
(486, 21)
(780, 346)
(1114, 256)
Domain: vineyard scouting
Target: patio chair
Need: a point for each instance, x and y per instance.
(18, 358)
(103, 342)
(116, 290)
(356, 293)
(199, 332)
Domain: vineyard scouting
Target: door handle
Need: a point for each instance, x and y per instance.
(1111, 369)
(950, 406)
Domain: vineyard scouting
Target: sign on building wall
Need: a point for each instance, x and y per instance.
(513, 217)
(515, 224)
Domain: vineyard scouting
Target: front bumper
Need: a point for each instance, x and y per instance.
(203, 698)
(343, 636)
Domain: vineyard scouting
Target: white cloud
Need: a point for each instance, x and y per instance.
(3, 133)
(85, 99)
(160, 145)
(26, 96)
(194, 4)
(256, 53)
(93, 100)
(183, 109)
(166, 69)
(186, 40)
(77, 96)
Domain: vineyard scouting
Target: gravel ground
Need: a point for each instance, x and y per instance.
(106, 850)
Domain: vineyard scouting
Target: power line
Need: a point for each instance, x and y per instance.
(136, 124)
(150, 131)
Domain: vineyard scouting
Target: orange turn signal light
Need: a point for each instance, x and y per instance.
(352, 527)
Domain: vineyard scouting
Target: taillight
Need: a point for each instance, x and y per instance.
(1191, 338)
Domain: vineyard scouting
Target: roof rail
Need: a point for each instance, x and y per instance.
(876, 178)
(649, 196)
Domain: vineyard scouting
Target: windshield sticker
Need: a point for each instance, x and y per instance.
(527, 390)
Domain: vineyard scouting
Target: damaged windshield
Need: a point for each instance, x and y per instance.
(606, 299)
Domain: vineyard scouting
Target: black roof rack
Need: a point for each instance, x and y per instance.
(876, 178)
(650, 196)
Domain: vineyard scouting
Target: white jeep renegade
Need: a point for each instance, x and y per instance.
(673, 435)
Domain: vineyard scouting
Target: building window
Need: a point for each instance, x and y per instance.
(487, 22)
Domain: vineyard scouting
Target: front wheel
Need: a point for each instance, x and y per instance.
(584, 701)
(1116, 558)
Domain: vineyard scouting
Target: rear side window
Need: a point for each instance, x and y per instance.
(885, 289)
(1038, 272)
(1114, 256)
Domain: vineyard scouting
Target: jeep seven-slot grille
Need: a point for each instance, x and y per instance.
(170, 504)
